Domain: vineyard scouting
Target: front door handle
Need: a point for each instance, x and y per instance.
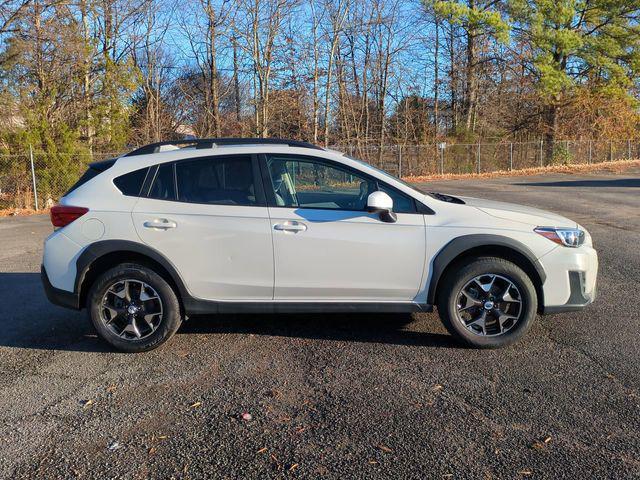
(291, 226)
(161, 224)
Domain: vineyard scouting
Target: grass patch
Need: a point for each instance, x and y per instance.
(614, 167)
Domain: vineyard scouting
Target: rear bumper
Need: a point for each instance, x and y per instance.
(58, 296)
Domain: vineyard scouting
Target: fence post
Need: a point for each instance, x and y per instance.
(541, 160)
(33, 177)
(511, 156)
(629, 149)
(589, 151)
(478, 158)
(399, 161)
(610, 150)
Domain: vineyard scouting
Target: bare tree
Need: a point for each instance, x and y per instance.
(153, 62)
(260, 32)
(337, 15)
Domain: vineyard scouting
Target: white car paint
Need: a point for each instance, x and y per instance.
(234, 253)
(340, 256)
(223, 252)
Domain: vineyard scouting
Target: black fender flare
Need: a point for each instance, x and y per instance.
(104, 247)
(462, 244)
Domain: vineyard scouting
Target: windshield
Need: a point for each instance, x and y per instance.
(386, 174)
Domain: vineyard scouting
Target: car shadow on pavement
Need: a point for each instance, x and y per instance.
(29, 321)
(389, 328)
(613, 183)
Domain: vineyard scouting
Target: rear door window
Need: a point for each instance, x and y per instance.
(217, 181)
(163, 187)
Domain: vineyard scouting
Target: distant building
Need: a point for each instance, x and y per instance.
(186, 131)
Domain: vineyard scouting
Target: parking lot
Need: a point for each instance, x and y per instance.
(338, 396)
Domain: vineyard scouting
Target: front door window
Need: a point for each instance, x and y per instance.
(308, 183)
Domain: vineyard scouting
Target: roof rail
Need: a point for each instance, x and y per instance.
(212, 142)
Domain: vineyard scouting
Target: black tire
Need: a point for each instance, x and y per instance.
(460, 275)
(168, 323)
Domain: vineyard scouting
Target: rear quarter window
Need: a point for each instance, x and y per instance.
(130, 184)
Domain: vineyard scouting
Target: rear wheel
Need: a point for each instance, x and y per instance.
(133, 308)
(487, 303)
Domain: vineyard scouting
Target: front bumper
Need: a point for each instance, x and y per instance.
(571, 279)
(58, 296)
(578, 299)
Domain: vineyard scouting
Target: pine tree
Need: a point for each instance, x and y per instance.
(577, 42)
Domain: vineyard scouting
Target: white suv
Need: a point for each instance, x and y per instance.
(176, 229)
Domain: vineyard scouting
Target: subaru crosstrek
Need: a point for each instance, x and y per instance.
(176, 229)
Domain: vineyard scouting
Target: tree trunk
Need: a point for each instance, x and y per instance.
(453, 79)
(327, 98)
(39, 60)
(316, 73)
(472, 81)
(550, 119)
(337, 23)
(213, 72)
(436, 78)
(236, 81)
(86, 79)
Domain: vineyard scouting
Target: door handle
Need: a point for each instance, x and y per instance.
(292, 226)
(161, 224)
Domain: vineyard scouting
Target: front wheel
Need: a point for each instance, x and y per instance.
(487, 303)
(133, 308)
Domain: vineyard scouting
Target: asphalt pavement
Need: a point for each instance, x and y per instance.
(334, 396)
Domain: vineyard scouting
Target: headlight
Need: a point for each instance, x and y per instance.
(569, 237)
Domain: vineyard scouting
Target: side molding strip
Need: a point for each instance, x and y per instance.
(196, 306)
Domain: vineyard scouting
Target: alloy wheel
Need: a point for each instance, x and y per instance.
(489, 305)
(131, 309)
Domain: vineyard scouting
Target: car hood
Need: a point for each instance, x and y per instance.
(519, 213)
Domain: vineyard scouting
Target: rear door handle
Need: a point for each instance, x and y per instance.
(292, 226)
(161, 224)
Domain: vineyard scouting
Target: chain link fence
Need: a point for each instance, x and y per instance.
(461, 158)
(34, 177)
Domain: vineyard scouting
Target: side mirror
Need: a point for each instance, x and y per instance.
(381, 203)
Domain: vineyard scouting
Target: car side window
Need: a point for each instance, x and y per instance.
(130, 183)
(401, 203)
(163, 187)
(216, 180)
(309, 184)
(305, 183)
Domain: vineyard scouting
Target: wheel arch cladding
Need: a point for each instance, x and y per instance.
(485, 245)
(99, 257)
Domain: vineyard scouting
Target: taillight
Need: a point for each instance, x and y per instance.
(63, 215)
